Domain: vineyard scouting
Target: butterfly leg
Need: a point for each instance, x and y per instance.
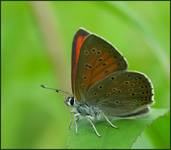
(109, 121)
(71, 121)
(76, 128)
(91, 122)
(76, 118)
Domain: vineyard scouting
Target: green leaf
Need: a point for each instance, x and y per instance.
(127, 133)
(157, 136)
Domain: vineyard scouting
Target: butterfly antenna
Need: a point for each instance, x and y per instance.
(56, 90)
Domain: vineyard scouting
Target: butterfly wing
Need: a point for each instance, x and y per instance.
(79, 38)
(121, 93)
(97, 59)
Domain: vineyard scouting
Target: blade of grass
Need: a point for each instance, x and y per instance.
(52, 38)
(130, 16)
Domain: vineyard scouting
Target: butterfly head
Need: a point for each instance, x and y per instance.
(70, 101)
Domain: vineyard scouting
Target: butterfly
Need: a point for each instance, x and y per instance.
(102, 86)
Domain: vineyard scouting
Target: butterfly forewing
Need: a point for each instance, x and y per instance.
(79, 38)
(121, 93)
(97, 60)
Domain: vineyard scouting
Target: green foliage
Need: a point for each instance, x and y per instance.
(38, 52)
(124, 137)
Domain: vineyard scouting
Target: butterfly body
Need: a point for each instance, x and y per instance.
(101, 84)
(82, 110)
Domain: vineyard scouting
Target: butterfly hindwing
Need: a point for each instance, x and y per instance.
(121, 93)
(97, 59)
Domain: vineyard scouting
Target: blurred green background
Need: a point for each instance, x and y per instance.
(36, 48)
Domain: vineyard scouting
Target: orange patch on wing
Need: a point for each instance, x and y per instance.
(79, 42)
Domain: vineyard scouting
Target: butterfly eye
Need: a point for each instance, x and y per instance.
(72, 101)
